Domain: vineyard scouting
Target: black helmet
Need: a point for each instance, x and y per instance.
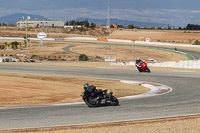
(138, 60)
(86, 86)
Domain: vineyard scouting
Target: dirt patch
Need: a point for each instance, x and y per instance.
(23, 90)
(53, 51)
(128, 53)
(171, 125)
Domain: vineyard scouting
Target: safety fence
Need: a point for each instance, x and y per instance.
(188, 64)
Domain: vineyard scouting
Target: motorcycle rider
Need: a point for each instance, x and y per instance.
(86, 86)
(91, 88)
(96, 97)
(138, 62)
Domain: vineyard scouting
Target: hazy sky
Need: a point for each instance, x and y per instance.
(175, 12)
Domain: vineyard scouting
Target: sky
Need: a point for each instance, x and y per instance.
(174, 12)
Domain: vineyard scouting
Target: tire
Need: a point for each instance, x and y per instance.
(114, 101)
(91, 102)
(148, 70)
(139, 69)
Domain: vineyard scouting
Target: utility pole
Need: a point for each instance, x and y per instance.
(133, 50)
(108, 20)
(26, 40)
(26, 26)
(60, 23)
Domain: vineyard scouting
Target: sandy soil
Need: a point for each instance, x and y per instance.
(158, 36)
(128, 53)
(172, 125)
(20, 90)
(53, 50)
(51, 32)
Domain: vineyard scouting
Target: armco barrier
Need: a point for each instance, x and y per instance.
(181, 64)
(117, 40)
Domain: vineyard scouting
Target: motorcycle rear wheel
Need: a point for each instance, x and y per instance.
(139, 69)
(92, 102)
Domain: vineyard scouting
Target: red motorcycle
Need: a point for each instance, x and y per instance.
(142, 66)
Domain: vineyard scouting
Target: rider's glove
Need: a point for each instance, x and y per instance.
(138, 65)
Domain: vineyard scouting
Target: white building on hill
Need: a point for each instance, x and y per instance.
(37, 24)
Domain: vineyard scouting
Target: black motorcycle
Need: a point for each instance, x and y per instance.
(97, 97)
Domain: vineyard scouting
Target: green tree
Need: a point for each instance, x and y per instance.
(25, 43)
(197, 42)
(120, 26)
(131, 26)
(73, 22)
(2, 47)
(83, 57)
(6, 44)
(78, 23)
(111, 26)
(86, 23)
(93, 25)
(14, 45)
(67, 23)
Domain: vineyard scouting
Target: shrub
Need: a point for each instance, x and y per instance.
(2, 47)
(63, 60)
(83, 57)
(197, 42)
(34, 56)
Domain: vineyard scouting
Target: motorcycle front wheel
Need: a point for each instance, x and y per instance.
(148, 70)
(114, 101)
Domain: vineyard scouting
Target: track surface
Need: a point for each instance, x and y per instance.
(183, 100)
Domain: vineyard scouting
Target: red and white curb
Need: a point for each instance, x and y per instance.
(156, 89)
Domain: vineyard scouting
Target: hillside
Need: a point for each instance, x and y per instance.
(13, 18)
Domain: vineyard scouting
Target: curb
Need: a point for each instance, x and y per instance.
(156, 90)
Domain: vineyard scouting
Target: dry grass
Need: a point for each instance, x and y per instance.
(51, 32)
(21, 90)
(158, 36)
(53, 50)
(127, 53)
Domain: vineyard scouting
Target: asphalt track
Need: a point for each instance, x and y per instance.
(182, 101)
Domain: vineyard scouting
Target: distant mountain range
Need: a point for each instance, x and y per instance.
(123, 22)
(13, 18)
